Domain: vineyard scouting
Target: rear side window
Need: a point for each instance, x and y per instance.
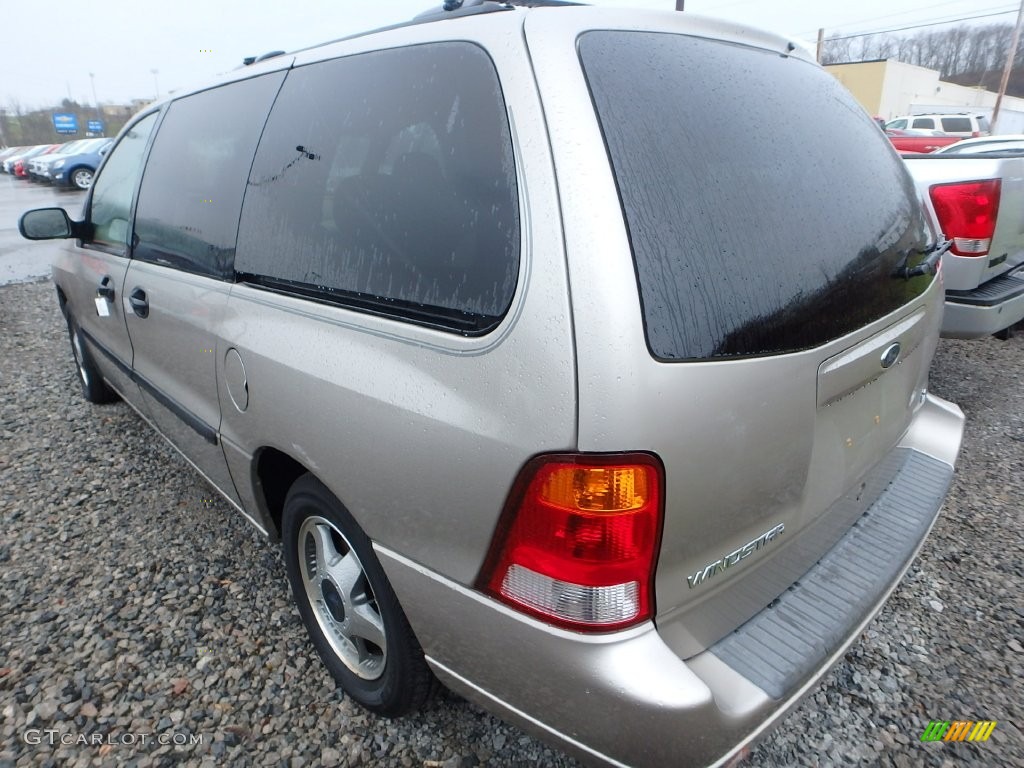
(749, 242)
(924, 122)
(385, 181)
(192, 189)
(957, 124)
(983, 124)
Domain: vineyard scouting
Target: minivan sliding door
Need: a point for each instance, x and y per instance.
(178, 283)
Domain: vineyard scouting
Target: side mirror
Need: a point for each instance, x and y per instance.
(46, 224)
(105, 149)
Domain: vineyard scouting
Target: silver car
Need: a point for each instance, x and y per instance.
(558, 384)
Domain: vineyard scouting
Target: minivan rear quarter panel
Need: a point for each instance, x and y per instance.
(390, 411)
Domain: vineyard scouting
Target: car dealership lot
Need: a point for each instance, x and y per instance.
(134, 602)
(20, 259)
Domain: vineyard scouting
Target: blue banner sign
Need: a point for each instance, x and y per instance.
(95, 126)
(65, 122)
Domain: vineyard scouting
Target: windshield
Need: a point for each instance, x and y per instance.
(979, 147)
(71, 146)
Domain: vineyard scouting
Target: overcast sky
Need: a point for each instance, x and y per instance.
(45, 56)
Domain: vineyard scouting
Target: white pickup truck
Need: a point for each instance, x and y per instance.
(979, 204)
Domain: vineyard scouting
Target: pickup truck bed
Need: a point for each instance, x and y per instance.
(979, 203)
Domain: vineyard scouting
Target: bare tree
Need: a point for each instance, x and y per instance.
(961, 53)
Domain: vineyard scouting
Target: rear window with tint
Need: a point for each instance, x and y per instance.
(385, 182)
(957, 124)
(754, 231)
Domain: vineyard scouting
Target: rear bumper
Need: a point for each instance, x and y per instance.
(626, 698)
(996, 305)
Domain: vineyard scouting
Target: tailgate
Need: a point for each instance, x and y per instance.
(746, 321)
(771, 460)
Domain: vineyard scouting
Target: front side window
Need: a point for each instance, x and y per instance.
(112, 192)
(385, 181)
(897, 124)
(191, 193)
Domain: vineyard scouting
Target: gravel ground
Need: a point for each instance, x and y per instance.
(132, 603)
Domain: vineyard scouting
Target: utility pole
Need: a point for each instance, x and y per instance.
(679, 5)
(821, 43)
(156, 83)
(1010, 56)
(95, 101)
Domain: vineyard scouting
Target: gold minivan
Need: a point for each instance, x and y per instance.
(558, 383)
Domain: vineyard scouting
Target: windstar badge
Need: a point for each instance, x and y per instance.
(735, 556)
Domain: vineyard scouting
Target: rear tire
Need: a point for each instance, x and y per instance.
(348, 606)
(94, 388)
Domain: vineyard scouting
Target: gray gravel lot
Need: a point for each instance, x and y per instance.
(132, 604)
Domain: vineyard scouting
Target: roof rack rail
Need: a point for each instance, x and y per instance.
(466, 8)
(452, 8)
(249, 60)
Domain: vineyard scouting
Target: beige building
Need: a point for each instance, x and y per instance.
(888, 88)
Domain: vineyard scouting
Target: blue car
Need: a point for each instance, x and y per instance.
(76, 170)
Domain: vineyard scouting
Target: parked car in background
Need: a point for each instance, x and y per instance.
(35, 164)
(919, 141)
(8, 152)
(20, 167)
(626, 442)
(979, 202)
(30, 151)
(963, 124)
(1002, 145)
(77, 168)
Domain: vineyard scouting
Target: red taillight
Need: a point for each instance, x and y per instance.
(967, 214)
(578, 540)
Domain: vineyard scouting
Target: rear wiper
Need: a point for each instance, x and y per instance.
(930, 264)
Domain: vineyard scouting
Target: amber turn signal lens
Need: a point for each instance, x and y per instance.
(597, 489)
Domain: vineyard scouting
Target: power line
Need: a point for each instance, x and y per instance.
(901, 13)
(918, 26)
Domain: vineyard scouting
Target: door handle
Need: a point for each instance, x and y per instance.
(105, 290)
(139, 302)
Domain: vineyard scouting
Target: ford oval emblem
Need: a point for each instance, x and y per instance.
(891, 355)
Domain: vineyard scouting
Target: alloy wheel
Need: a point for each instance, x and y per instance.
(341, 597)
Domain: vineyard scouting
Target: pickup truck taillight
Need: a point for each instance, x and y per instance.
(967, 214)
(578, 541)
